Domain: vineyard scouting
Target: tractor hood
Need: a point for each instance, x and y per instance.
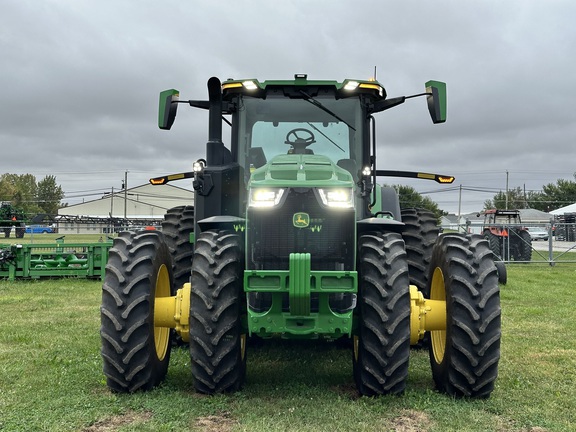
(301, 170)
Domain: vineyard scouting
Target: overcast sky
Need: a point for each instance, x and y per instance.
(79, 84)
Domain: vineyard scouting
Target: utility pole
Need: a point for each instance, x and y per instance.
(459, 207)
(125, 192)
(112, 203)
(525, 198)
(506, 189)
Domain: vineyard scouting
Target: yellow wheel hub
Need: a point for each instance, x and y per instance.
(162, 334)
(438, 337)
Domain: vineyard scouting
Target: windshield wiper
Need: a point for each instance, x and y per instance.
(325, 136)
(317, 103)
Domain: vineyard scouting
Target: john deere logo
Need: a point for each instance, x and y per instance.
(301, 220)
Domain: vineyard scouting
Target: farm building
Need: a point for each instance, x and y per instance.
(136, 207)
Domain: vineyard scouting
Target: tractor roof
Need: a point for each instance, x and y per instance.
(346, 88)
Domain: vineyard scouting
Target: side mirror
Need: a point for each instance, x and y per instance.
(436, 100)
(167, 108)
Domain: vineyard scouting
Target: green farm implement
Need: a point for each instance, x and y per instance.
(53, 260)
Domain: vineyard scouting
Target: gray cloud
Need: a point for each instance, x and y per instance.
(79, 83)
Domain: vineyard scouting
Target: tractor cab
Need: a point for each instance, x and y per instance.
(310, 133)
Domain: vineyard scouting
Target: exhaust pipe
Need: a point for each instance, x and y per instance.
(215, 151)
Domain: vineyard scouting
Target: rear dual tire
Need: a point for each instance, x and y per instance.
(177, 226)
(420, 234)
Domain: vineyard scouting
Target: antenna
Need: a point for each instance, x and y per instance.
(374, 73)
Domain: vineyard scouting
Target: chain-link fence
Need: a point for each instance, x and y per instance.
(535, 243)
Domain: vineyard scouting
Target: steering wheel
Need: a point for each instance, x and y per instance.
(297, 142)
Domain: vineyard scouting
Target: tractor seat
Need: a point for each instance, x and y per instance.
(350, 166)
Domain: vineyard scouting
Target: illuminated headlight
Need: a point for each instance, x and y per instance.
(198, 167)
(366, 171)
(351, 85)
(249, 85)
(263, 197)
(342, 198)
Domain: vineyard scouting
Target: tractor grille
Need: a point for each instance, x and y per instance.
(272, 236)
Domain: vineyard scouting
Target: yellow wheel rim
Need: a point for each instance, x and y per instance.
(162, 334)
(438, 337)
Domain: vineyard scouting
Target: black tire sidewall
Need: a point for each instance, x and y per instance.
(217, 276)
(380, 364)
(128, 296)
(473, 326)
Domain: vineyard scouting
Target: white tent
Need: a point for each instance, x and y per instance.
(567, 209)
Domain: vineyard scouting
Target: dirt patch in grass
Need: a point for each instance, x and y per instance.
(113, 423)
(349, 391)
(410, 421)
(504, 425)
(223, 422)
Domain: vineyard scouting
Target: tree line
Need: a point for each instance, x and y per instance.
(552, 197)
(32, 197)
(45, 196)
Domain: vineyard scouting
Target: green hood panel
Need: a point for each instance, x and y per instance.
(301, 170)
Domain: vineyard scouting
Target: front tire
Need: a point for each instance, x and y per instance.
(464, 358)
(135, 352)
(382, 345)
(217, 303)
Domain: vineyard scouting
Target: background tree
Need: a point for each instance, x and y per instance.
(22, 191)
(410, 198)
(516, 200)
(552, 197)
(49, 195)
(558, 195)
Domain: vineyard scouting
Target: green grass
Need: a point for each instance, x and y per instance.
(51, 378)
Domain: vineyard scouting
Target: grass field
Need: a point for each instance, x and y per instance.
(51, 378)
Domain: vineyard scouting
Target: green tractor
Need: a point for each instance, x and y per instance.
(290, 236)
(11, 216)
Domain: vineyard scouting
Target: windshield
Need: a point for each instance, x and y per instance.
(280, 125)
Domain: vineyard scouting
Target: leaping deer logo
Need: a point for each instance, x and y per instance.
(301, 220)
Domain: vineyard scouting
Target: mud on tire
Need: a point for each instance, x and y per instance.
(135, 352)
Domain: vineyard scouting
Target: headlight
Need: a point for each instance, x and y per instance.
(265, 197)
(342, 198)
